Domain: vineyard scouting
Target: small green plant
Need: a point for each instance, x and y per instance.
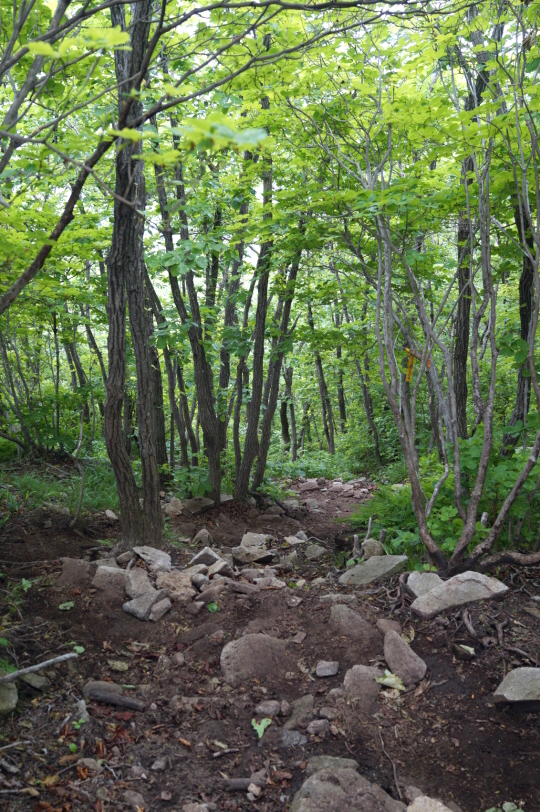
(213, 607)
(73, 747)
(261, 726)
(79, 724)
(65, 607)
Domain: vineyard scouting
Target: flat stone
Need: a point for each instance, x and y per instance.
(458, 591)
(174, 508)
(203, 537)
(290, 560)
(255, 655)
(75, 572)
(385, 624)
(8, 698)
(125, 558)
(293, 738)
(111, 581)
(221, 567)
(360, 686)
(342, 790)
(371, 547)
(252, 555)
(108, 562)
(137, 582)
(519, 685)
(402, 660)
(111, 515)
(352, 625)
(424, 804)
(102, 687)
(378, 568)
(336, 487)
(302, 712)
(291, 503)
(313, 505)
(421, 582)
(225, 497)
(196, 569)
(186, 529)
(36, 681)
(141, 607)
(326, 669)
(135, 800)
(177, 585)
(294, 541)
(250, 540)
(318, 727)
(200, 581)
(199, 504)
(315, 551)
(160, 609)
(206, 556)
(270, 707)
(336, 597)
(157, 560)
(329, 713)
(317, 763)
(274, 510)
(309, 485)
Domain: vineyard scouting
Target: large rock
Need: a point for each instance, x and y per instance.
(315, 551)
(255, 655)
(309, 485)
(252, 555)
(174, 508)
(199, 504)
(371, 547)
(318, 763)
(458, 591)
(425, 804)
(8, 698)
(352, 625)
(157, 560)
(294, 541)
(519, 685)
(421, 582)
(342, 790)
(111, 581)
(75, 572)
(203, 537)
(142, 606)
(177, 585)
(402, 660)
(206, 556)
(160, 609)
(137, 582)
(250, 540)
(360, 686)
(377, 568)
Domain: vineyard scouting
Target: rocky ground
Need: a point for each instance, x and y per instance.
(255, 674)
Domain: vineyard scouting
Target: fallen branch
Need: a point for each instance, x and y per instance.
(500, 634)
(108, 698)
(32, 668)
(393, 766)
(241, 784)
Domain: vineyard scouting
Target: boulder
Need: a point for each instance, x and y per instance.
(250, 540)
(421, 582)
(225, 497)
(199, 504)
(221, 567)
(157, 560)
(141, 607)
(519, 685)
(384, 624)
(203, 537)
(377, 568)
(342, 790)
(360, 686)
(402, 660)
(458, 591)
(160, 609)
(177, 585)
(308, 485)
(317, 763)
(8, 698)
(75, 572)
(137, 582)
(125, 558)
(252, 555)
(206, 556)
(315, 551)
(174, 508)
(352, 625)
(372, 547)
(255, 655)
(111, 581)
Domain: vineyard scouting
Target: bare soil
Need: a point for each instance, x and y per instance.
(446, 736)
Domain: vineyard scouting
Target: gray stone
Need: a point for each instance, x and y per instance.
(196, 569)
(199, 504)
(421, 582)
(36, 681)
(8, 698)
(178, 659)
(314, 506)
(250, 540)
(250, 573)
(125, 558)
(315, 551)
(102, 687)
(336, 487)
(252, 555)
(203, 537)
(360, 686)
(352, 625)
(111, 581)
(329, 713)
(326, 669)
(157, 560)
(212, 594)
(318, 763)
(135, 800)
(225, 497)
(424, 804)
(75, 572)
(141, 607)
(337, 598)
(160, 609)
(372, 547)
(402, 660)
(301, 535)
(174, 508)
(270, 707)
(221, 567)
(519, 685)
(199, 580)
(293, 738)
(108, 562)
(255, 655)
(385, 624)
(378, 568)
(302, 712)
(206, 556)
(294, 541)
(137, 582)
(309, 485)
(111, 515)
(318, 727)
(290, 560)
(177, 585)
(458, 591)
(342, 790)
(186, 530)
(286, 709)
(291, 503)
(274, 510)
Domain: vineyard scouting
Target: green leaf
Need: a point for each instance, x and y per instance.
(73, 747)
(390, 681)
(26, 584)
(213, 607)
(4, 642)
(261, 726)
(79, 649)
(65, 607)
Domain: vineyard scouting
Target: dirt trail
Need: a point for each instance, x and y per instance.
(445, 736)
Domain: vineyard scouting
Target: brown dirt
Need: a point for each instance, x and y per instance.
(446, 737)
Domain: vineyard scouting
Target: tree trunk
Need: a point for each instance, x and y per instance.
(326, 406)
(288, 376)
(284, 419)
(340, 389)
(462, 324)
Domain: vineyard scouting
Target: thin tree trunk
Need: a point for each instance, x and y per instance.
(288, 376)
(340, 389)
(326, 406)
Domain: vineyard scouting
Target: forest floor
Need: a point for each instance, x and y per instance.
(446, 736)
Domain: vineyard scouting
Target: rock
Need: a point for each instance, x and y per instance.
(424, 804)
(255, 655)
(270, 583)
(384, 624)
(402, 660)
(107, 562)
(252, 555)
(199, 504)
(36, 681)
(302, 712)
(314, 506)
(9, 697)
(225, 497)
(157, 560)
(75, 572)
(377, 568)
(101, 687)
(141, 607)
(221, 567)
(274, 510)
(199, 581)
(111, 515)
(290, 560)
(352, 625)
(111, 581)
(286, 709)
(206, 556)
(137, 582)
(309, 485)
(291, 503)
(174, 508)
(360, 686)
(178, 659)
(194, 608)
(81, 711)
(177, 585)
(160, 609)
(301, 535)
(342, 790)
(294, 541)
(317, 763)
(160, 764)
(186, 530)
(211, 595)
(270, 707)
(196, 569)
(337, 598)
(336, 487)
(318, 727)
(519, 685)
(421, 582)
(125, 558)
(326, 669)
(458, 591)
(135, 800)
(203, 537)
(293, 738)
(315, 551)
(250, 540)
(329, 713)
(371, 547)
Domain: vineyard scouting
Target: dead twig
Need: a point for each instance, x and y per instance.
(500, 634)
(32, 668)
(466, 618)
(107, 698)
(393, 766)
